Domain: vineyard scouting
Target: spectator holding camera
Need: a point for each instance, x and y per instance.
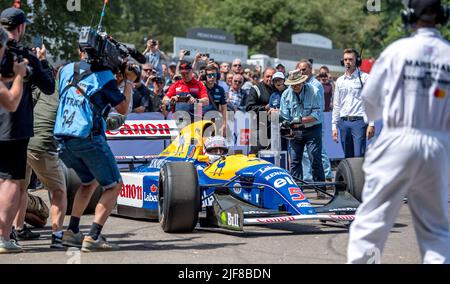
(79, 128)
(154, 56)
(16, 128)
(302, 104)
(187, 92)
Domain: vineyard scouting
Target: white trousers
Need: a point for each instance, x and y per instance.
(404, 163)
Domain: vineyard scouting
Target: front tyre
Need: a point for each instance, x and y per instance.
(178, 198)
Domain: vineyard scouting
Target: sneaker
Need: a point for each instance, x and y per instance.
(13, 236)
(90, 245)
(26, 234)
(57, 242)
(7, 247)
(70, 239)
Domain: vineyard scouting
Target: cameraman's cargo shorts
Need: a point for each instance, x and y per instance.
(48, 168)
(92, 159)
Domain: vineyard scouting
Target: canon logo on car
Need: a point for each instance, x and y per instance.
(142, 128)
(131, 191)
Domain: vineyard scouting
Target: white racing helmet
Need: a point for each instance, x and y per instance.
(215, 148)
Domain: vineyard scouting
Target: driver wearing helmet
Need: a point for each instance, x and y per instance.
(215, 148)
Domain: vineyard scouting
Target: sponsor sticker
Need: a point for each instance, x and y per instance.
(237, 188)
(131, 193)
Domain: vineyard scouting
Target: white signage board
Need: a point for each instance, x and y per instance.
(313, 40)
(221, 52)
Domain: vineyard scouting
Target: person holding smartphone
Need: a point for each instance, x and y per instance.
(154, 56)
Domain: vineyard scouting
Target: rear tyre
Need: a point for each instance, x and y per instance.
(178, 198)
(350, 172)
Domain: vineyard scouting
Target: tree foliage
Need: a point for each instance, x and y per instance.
(257, 23)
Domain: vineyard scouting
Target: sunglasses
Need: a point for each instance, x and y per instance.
(237, 65)
(238, 82)
(211, 75)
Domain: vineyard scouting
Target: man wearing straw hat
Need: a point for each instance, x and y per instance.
(301, 103)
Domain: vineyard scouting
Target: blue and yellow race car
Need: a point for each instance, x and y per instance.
(181, 189)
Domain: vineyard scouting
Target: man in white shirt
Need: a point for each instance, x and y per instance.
(409, 88)
(348, 110)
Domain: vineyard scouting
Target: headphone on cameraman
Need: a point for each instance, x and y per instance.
(409, 15)
(358, 59)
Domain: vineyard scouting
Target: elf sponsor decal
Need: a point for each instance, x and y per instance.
(282, 182)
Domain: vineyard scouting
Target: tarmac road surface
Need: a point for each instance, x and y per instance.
(143, 242)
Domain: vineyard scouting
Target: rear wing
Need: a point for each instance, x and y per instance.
(140, 140)
(145, 130)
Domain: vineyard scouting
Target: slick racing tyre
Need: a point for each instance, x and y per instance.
(73, 184)
(350, 172)
(178, 198)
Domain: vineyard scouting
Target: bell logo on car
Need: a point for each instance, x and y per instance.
(233, 220)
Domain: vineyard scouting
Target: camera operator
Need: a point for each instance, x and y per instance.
(16, 128)
(84, 147)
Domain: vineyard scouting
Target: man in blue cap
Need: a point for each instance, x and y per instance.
(16, 128)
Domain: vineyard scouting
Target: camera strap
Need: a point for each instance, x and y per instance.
(77, 78)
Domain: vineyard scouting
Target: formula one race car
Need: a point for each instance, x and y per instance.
(181, 189)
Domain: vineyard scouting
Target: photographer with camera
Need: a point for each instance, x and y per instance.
(10, 99)
(88, 91)
(301, 107)
(16, 128)
(12, 167)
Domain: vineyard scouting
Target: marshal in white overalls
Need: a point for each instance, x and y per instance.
(409, 88)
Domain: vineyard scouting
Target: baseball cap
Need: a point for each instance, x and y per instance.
(172, 64)
(280, 65)
(13, 17)
(278, 75)
(420, 7)
(185, 66)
